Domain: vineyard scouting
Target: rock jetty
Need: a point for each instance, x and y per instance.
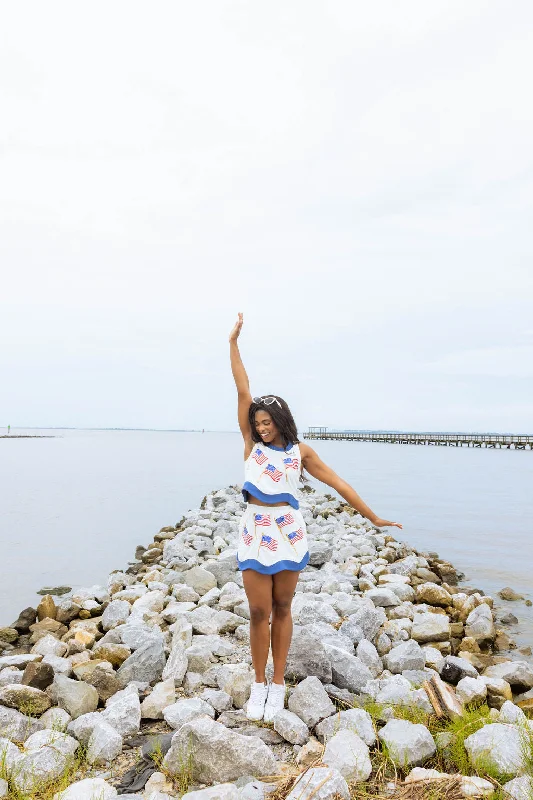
(139, 687)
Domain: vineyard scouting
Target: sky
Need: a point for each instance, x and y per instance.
(356, 178)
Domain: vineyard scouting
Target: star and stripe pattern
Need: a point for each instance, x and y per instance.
(247, 537)
(273, 473)
(269, 542)
(263, 520)
(259, 457)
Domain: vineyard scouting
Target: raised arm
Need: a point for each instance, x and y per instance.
(241, 382)
(316, 467)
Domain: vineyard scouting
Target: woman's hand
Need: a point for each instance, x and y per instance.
(234, 335)
(384, 523)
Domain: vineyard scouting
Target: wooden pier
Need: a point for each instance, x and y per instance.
(489, 440)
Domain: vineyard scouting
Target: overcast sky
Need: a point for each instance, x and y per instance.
(356, 177)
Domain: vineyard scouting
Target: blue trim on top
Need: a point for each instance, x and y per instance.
(281, 449)
(270, 499)
(264, 569)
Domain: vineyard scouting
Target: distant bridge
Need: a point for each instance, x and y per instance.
(490, 440)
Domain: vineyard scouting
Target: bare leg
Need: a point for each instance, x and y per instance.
(284, 584)
(258, 590)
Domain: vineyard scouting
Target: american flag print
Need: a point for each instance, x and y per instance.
(273, 473)
(247, 537)
(295, 536)
(286, 519)
(268, 541)
(260, 457)
(262, 519)
(291, 463)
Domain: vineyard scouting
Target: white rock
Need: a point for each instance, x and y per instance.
(310, 701)
(356, 720)
(105, 744)
(123, 713)
(50, 646)
(512, 714)
(223, 791)
(116, 613)
(517, 673)
(220, 754)
(519, 788)
(499, 747)
(177, 663)
(87, 789)
(347, 752)
(187, 709)
(17, 726)
(4, 788)
(56, 718)
(418, 774)
(471, 690)
(163, 695)
(383, 597)
(82, 727)
(406, 655)
(472, 786)
(408, 744)
(37, 770)
(10, 756)
(429, 627)
(370, 657)
(200, 580)
(76, 697)
(291, 727)
(320, 783)
(62, 742)
(480, 625)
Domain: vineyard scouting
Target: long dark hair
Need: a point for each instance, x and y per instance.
(282, 417)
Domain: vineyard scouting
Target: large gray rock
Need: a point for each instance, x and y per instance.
(370, 657)
(56, 718)
(218, 754)
(184, 710)
(498, 747)
(310, 702)
(123, 712)
(49, 738)
(480, 624)
(320, 783)
(76, 697)
(319, 553)
(291, 727)
(105, 744)
(347, 753)
(519, 788)
(116, 613)
(406, 655)
(356, 720)
(471, 690)
(236, 680)
(10, 756)
(306, 657)
(429, 627)
(408, 744)
(82, 727)
(369, 620)
(137, 634)
(146, 664)
(177, 663)
(207, 620)
(199, 579)
(17, 726)
(383, 597)
(87, 789)
(222, 791)
(348, 672)
(519, 674)
(37, 770)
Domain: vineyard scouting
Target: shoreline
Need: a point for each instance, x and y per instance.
(375, 621)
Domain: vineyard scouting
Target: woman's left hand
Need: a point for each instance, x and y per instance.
(384, 523)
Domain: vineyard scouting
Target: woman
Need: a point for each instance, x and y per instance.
(272, 538)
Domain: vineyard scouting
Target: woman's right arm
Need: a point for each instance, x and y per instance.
(243, 387)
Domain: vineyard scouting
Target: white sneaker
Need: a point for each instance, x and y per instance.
(275, 701)
(256, 702)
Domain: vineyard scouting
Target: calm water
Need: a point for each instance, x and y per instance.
(74, 507)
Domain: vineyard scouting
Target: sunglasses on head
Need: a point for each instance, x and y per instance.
(267, 401)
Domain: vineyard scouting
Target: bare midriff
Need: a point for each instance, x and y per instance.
(254, 501)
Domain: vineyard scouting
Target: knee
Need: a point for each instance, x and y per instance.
(282, 608)
(259, 614)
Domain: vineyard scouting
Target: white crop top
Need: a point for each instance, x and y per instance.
(272, 474)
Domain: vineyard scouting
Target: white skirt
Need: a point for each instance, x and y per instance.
(272, 539)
